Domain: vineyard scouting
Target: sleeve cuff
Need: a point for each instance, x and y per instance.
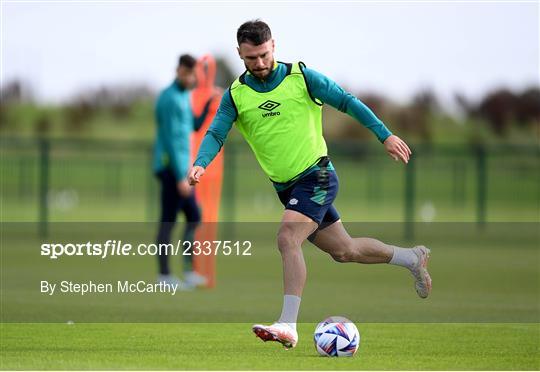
(385, 136)
(198, 163)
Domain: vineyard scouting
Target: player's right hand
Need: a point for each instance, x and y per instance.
(194, 175)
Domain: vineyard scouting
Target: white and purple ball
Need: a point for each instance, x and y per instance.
(336, 336)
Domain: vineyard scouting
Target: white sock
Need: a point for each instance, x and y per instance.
(403, 257)
(289, 313)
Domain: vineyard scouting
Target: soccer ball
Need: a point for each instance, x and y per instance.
(336, 336)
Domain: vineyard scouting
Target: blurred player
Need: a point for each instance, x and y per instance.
(175, 124)
(277, 108)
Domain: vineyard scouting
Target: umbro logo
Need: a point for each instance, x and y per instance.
(269, 105)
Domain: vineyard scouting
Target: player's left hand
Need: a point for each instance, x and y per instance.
(195, 174)
(397, 149)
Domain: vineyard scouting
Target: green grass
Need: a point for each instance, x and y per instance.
(491, 275)
(483, 313)
(233, 347)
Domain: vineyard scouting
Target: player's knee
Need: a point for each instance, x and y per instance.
(194, 216)
(344, 254)
(341, 256)
(286, 239)
(285, 242)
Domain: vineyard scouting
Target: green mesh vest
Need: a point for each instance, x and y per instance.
(283, 126)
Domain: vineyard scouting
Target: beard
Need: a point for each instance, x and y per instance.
(261, 74)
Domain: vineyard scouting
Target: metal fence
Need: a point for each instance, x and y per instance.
(46, 180)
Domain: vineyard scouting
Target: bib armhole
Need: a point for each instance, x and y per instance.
(301, 66)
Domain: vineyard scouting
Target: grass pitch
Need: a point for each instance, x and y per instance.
(233, 347)
(483, 314)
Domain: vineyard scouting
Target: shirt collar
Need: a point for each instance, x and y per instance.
(178, 85)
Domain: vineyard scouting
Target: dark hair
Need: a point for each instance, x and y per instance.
(254, 32)
(187, 60)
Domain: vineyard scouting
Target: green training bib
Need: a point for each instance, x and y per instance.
(283, 127)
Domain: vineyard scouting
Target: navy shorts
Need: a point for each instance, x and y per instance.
(313, 195)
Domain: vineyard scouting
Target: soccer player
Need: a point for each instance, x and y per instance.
(277, 108)
(171, 162)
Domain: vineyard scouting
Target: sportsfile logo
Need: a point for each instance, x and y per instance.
(269, 106)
